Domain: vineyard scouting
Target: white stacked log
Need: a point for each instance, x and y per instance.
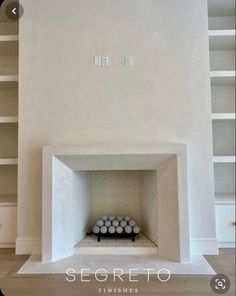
(112, 224)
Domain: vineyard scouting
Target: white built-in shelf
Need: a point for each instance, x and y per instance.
(222, 74)
(8, 78)
(225, 198)
(8, 161)
(222, 62)
(222, 116)
(222, 77)
(221, 33)
(8, 200)
(8, 130)
(222, 39)
(8, 119)
(5, 38)
(224, 159)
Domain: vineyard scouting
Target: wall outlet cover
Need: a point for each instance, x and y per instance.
(128, 61)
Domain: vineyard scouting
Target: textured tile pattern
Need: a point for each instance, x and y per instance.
(115, 192)
(97, 193)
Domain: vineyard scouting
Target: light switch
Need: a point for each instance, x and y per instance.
(97, 61)
(128, 61)
(105, 61)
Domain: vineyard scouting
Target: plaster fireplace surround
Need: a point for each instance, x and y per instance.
(82, 183)
(149, 183)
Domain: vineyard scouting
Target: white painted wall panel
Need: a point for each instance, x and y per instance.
(225, 221)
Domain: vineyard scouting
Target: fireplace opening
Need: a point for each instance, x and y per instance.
(126, 193)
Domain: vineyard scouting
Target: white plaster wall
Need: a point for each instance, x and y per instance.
(81, 205)
(164, 97)
(115, 193)
(149, 204)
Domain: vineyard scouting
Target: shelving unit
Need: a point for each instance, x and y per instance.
(8, 131)
(222, 74)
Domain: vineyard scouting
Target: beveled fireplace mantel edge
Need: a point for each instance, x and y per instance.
(160, 148)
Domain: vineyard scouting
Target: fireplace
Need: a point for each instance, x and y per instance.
(81, 184)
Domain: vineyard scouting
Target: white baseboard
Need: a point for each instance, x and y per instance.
(7, 245)
(230, 245)
(204, 246)
(28, 245)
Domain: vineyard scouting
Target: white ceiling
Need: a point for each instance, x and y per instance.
(221, 7)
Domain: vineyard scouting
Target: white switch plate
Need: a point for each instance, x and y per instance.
(128, 61)
(105, 61)
(97, 61)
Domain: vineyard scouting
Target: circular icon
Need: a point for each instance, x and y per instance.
(14, 11)
(220, 283)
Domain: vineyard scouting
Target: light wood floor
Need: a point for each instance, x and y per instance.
(50, 285)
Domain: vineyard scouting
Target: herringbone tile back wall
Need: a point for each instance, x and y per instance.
(132, 193)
